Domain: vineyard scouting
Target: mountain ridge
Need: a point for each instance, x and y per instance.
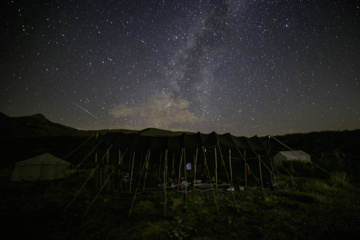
(36, 125)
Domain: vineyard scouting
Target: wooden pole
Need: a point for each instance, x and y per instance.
(120, 159)
(216, 173)
(212, 187)
(231, 175)
(194, 174)
(136, 190)
(160, 165)
(97, 173)
(195, 165)
(233, 194)
(246, 170)
(269, 169)
(179, 178)
(173, 166)
(185, 176)
(223, 163)
(132, 170)
(98, 193)
(107, 155)
(261, 178)
(131, 154)
(140, 161)
(120, 169)
(165, 171)
(93, 171)
(273, 181)
(147, 158)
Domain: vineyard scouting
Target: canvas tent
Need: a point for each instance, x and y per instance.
(221, 154)
(40, 168)
(286, 156)
(129, 161)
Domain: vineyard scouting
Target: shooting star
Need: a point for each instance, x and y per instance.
(86, 110)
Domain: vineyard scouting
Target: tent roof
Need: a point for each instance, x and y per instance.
(43, 159)
(184, 140)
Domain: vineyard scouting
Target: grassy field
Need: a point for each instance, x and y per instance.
(299, 208)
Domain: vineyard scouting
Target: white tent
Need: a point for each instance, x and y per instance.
(286, 156)
(40, 168)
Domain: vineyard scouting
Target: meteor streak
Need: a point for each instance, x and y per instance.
(86, 110)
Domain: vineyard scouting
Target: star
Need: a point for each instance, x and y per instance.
(244, 67)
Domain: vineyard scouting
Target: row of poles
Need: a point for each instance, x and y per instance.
(103, 179)
(183, 162)
(182, 166)
(145, 169)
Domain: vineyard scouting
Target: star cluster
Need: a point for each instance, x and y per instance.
(245, 67)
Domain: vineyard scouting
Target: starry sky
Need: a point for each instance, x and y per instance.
(248, 67)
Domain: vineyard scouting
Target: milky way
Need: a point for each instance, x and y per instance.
(244, 67)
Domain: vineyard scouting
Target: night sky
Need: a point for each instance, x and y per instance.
(253, 67)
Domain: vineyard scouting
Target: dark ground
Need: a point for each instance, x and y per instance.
(310, 209)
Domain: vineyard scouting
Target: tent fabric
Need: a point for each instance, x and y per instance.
(186, 140)
(126, 149)
(40, 168)
(292, 156)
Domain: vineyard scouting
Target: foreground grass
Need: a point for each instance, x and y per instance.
(310, 209)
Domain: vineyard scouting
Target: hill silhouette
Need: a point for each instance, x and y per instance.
(33, 126)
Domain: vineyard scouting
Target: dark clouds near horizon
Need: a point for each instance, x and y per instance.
(245, 67)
